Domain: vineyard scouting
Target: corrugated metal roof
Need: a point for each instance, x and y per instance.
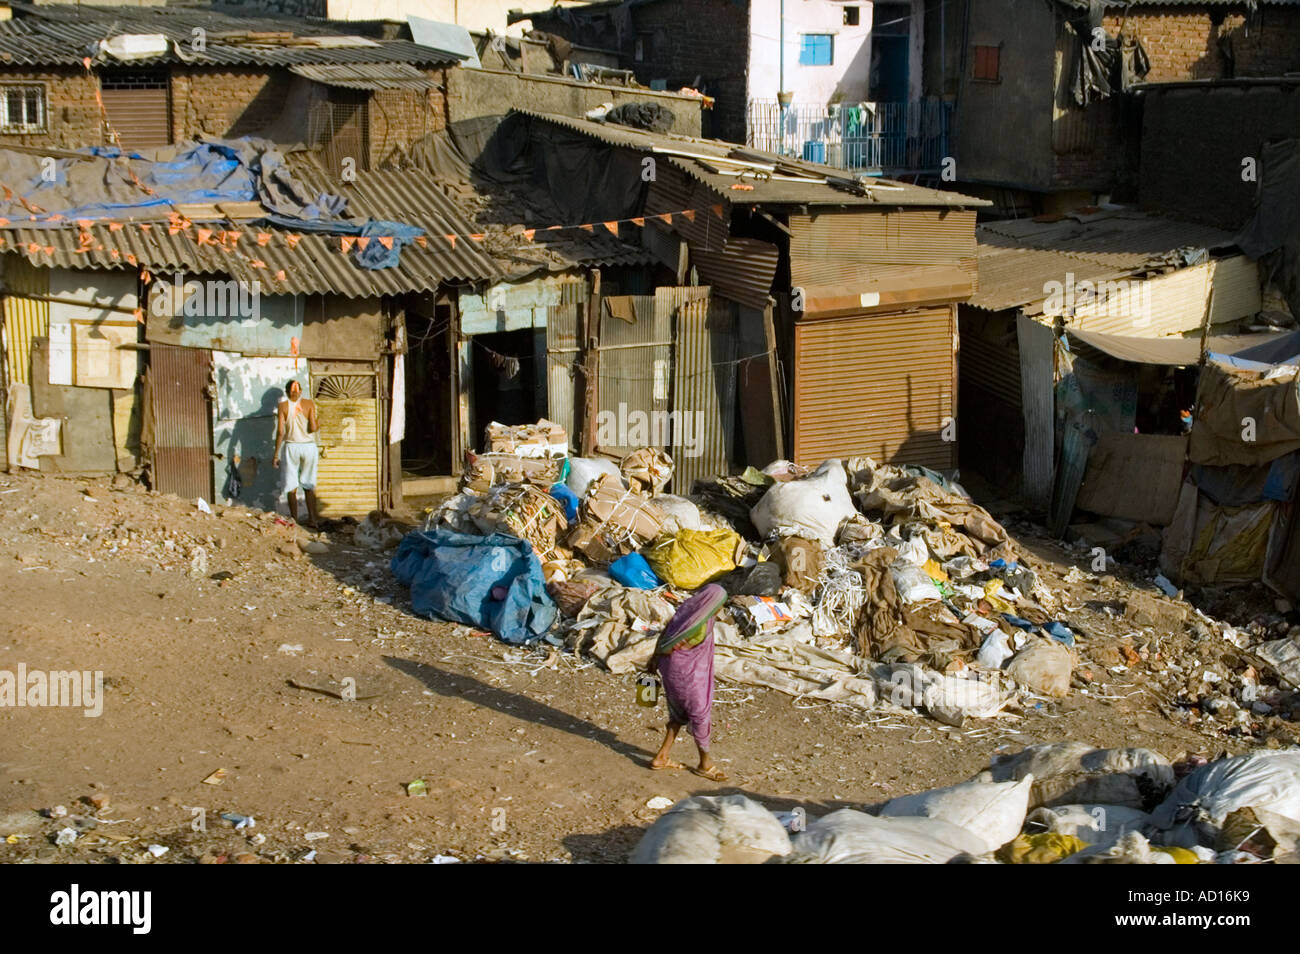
(61, 35)
(365, 75)
(288, 262)
(1083, 4)
(1121, 238)
(795, 182)
(1018, 258)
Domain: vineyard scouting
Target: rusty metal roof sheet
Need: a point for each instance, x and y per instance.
(722, 165)
(281, 260)
(62, 34)
(373, 76)
(1018, 258)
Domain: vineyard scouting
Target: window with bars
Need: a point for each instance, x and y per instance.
(22, 109)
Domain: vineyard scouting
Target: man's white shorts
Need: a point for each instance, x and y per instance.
(298, 461)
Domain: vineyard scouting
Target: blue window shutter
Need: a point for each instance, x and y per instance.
(816, 49)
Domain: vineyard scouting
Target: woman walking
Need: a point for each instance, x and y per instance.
(684, 659)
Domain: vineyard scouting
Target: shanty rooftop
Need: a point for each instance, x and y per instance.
(64, 34)
(743, 174)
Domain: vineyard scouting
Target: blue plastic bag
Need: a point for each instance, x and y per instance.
(633, 570)
(493, 582)
(1059, 631)
(564, 495)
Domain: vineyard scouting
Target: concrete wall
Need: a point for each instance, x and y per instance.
(1193, 143)
(472, 93)
(849, 71)
(1004, 129)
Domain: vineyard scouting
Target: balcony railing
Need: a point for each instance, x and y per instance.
(869, 137)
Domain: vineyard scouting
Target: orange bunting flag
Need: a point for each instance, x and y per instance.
(4, 221)
(529, 233)
(146, 227)
(263, 238)
(690, 214)
(112, 251)
(280, 276)
(139, 315)
(612, 226)
(48, 250)
(717, 210)
(742, 187)
(386, 241)
(9, 193)
(204, 235)
(292, 240)
(346, 244)
(666, 217)
(363, 241)
(115, 226)
(452, 240)
(85, 61)
(84, 223)
(232, 237)
(476, 237)
(132, 259)
(421, 241)
(257, 263)
(639, 221)
(33, 248)
(588, 228)
(173, 229)
(552, 228)
(146, 276)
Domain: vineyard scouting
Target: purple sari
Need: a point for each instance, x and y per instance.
(687, 671)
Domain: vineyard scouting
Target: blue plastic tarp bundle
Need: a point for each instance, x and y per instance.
(493, 582)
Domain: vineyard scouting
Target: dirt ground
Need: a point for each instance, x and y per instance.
(203, 623)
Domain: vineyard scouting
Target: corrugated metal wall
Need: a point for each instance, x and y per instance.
(561, 356)
(672, 190)
(1174, 303)
(880, 385)
(182, 429)
(742, 271)
(347, 482)
(1038, 400)
(912, 236)
(634, 374)
(25, 318)
(704, 382)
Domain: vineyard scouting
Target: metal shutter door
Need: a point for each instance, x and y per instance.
(348, 479)
(182, 415)
(140, 116)
(879, 385)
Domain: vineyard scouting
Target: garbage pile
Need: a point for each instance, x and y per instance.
(856, 582)
(1060, 802)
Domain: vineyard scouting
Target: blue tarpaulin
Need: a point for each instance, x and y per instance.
(493, 582)
(115, 185)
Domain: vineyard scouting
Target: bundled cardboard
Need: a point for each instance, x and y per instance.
(613, 521)
(485, 471)
(543, 439)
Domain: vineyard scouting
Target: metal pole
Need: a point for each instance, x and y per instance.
(780, 82)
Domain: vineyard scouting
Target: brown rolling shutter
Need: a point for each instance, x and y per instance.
(880, 385)
(138, 107)
(182, 420)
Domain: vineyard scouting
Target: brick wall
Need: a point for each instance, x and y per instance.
(226, 102)
(399, 118)
(1191, 44)
(708, 39)
(71, 116)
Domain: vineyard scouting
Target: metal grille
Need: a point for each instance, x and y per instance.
(909, 137)
(22, 109)
(340, 127)
(345, 386)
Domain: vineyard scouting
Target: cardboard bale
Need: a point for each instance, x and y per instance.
(540, 440)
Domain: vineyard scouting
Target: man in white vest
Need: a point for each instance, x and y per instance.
(295, 425)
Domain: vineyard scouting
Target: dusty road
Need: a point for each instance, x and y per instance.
(201, 622)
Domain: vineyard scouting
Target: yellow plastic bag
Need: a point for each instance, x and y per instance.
(1046, 848)
(691, 558)
(1180, 855)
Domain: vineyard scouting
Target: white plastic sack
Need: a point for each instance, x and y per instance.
(913, 550)
(710, 830)
(847, 837)
(1095, 824)
(993, 811)
(912, 583)
(679, 513)
(995, 650)
(1069, 773)
(810, 507)
(1266, 780)
(583, 470)
(1129, 849)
